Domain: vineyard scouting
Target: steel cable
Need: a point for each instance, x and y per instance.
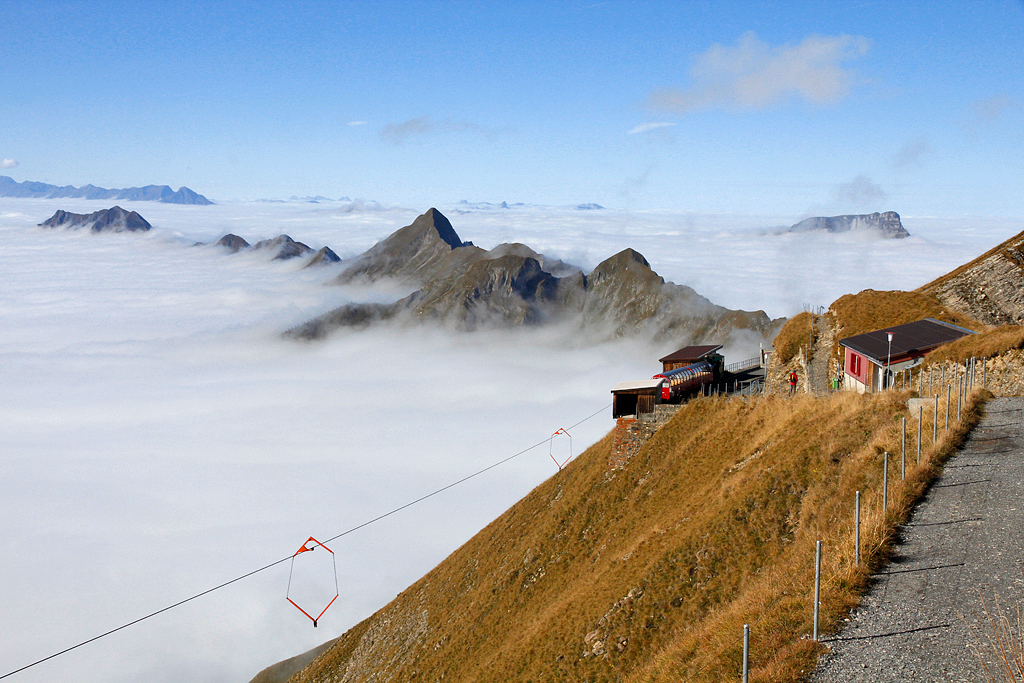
(285, 559)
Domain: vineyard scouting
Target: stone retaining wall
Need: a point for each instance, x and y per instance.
(633, 432)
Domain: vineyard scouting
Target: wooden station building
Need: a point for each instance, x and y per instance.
(639, 397)
(867, 356)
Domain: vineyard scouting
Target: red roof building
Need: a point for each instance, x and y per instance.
(867, 356)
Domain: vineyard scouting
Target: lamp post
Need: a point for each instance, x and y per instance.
(888, 359)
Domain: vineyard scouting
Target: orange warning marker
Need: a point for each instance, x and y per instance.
(314, 589)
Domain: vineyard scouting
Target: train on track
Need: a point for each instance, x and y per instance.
(686, 380)
(684, 373)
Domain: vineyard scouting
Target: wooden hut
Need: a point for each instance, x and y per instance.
(636, 398)
(867, 356)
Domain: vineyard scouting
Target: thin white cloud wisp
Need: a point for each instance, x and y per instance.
(649, 127)
(754, 74)
(911, 153)
(398, 133)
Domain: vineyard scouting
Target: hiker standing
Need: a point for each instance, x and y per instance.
(792, 382)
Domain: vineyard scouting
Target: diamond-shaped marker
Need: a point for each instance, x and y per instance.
(557, 446)
(313, 580)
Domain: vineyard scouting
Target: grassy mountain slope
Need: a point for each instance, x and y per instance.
(647, 573)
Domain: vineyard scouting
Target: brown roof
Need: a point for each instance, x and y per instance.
(690, 353)
(907, 340)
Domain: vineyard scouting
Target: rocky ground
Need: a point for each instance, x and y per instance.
(990, 288)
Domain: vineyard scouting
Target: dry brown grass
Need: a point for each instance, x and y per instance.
(871, 310)
(648, 573)
(987, 344)
(1000, 648)
(794, 335)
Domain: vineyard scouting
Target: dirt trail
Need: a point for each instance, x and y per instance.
(818, 368)
(962, 545)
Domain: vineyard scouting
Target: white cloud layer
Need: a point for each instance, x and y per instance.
(755, 74)
(8, 163)
(159, 438)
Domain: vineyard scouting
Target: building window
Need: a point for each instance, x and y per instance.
(855, 367)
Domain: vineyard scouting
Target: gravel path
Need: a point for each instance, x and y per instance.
(963, 543)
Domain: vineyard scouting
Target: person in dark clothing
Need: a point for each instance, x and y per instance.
(792, 382)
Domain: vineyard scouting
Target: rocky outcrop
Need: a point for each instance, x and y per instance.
(325, 256)
(149, 193)
(284, 247)
(114, 219)
(232, 243)
(415, 254)
(887, 224)
(990, 288)
(512, 285)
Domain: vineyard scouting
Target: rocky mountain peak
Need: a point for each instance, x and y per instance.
(286, 247)
(628, 264)
(114, 219)
(420, 251)
(232, 242)
(437, 222)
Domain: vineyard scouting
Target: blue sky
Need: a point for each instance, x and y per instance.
(767, 108)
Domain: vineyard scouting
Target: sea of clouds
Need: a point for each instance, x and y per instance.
(160, 438)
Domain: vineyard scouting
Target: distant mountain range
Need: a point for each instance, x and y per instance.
(149, 193)
(512, 285)
(888, 224)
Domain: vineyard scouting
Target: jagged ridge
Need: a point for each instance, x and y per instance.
(513, 285)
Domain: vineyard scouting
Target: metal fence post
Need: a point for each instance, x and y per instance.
(935, 421)
(903, 447)
(817, 586)
(959, 401)
(984, 373)
(921, 416)
(746, 652)
(885, 483)
(947, 406)
(856, 531)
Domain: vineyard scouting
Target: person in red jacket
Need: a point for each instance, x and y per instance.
(792, 382)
